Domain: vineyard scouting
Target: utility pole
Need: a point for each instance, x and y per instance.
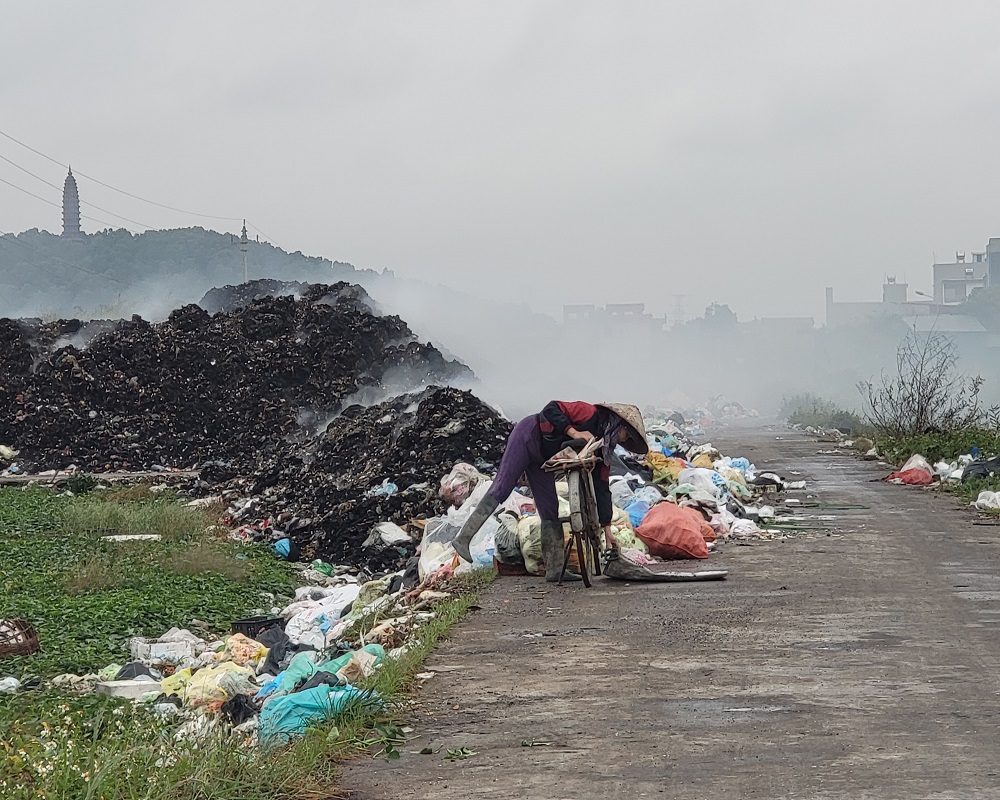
(243, 249)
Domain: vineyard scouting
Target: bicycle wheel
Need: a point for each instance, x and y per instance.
(578, 504)
(591, 523)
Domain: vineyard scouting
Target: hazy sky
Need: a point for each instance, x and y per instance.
(748, 153)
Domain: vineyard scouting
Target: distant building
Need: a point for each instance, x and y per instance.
(895, 303)
(993, 262)
(71, 208)
(614, 316)
(965, 331)
(954, 282)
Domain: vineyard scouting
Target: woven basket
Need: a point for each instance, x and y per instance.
(17, 638)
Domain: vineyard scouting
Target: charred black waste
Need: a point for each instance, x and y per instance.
(298, 396)
(228, 387)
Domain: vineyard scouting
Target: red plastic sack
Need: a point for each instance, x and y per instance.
(672, 532)
(707, 532)
(912, 477)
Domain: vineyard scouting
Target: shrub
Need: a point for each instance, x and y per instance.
(926, 394)
(811, 410)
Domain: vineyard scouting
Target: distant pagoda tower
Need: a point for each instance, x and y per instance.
(71, 208)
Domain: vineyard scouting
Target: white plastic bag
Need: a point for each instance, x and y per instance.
(386, 534)
(436, 548)
(988, 501)
(621, 493)
(310, 618)
(649, 494)
(744, 529)
(701, 479)
(458, 485)
(917, 461)
(483, 545)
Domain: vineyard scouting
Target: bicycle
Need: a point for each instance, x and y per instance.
(576, 463)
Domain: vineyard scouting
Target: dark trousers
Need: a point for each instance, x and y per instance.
(524, 456)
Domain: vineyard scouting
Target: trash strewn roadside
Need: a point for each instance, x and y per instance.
(284, 667)
(280, 671)
(972, 474)
(316, 427)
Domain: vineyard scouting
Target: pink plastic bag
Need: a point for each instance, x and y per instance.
(458, 484)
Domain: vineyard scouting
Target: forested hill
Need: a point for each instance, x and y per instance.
(118, 273)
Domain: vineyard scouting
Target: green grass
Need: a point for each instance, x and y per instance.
(94, 747)
(88, 597)
(969, 490)
(112, 516)
(938, 446)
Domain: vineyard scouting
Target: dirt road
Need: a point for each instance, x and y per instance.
(855, 662)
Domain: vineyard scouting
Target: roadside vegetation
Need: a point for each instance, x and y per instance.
(928, 406)
(87, 597)
(969, 490)
(812, 411)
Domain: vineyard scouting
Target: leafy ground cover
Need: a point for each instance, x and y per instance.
(948, 447)
(969, 490)
(87, 597)
(939, 446)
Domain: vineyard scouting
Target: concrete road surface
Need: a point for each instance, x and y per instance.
(857, 661)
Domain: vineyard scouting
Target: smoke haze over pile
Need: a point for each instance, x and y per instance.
(533, 153)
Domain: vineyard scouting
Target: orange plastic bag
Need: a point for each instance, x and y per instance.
(671, 532)
(708, 534)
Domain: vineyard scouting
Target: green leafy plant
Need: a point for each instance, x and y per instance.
(810, 410)
(82, 484)
(60, 745)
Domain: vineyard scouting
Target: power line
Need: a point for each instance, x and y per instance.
(127, 194)
(82, 202)
(57, 205)
(115, 189)
(262, 233)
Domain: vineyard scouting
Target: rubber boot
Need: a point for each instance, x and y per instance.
(554, 552)
(472, 525)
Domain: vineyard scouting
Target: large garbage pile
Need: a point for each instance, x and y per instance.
(372, 465)
(226, 388)
(230, 298)
(674, 503)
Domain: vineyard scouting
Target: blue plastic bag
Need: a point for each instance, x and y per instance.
(286, 717)
(283, 548)
(637, 511)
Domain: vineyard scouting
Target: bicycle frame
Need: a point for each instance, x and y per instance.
(584, 522)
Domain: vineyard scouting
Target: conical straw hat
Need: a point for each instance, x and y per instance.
(636, 440)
